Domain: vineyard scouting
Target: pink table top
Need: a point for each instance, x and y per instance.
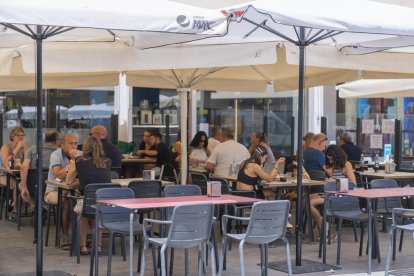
(380, 193)
(159, 202)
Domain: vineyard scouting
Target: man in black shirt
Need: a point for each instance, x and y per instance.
(161, 152)
(352, 151)
(111, 151)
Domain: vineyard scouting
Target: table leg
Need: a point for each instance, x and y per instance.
(18, 206)
(6, 212)
(369, 203)
(96, 241)
(58, 217)
(309, 215)
(131, 243)
(323, 230)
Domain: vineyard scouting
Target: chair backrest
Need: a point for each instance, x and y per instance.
(224, 184)
(182, 190)
(89, 197)
(179, 190)
(200, 180)
(385, 205)
(268, 221)
(191, 225)
(340, 204)
(169, 173)
(316, 175)
(146, 188)
(113, 214)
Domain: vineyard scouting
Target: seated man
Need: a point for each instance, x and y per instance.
(226, 154)
(161, 152)
(111, 151)
(61, 161)
(352, 151)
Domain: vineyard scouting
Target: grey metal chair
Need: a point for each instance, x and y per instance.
(174, 191)
(200, 180)
(146, 189)
(267, 223)
(397, 212)
(88, 210)
(116, 220)
(190, 226)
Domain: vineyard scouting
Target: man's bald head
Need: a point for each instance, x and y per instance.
(98, 131)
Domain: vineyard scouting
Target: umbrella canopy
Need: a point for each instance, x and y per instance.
(389, 88)
(139, 25)
(93, 111)
(29, 113)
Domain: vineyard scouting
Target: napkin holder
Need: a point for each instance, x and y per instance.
(214, 188)
(342, 185)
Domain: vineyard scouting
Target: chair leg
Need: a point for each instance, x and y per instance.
(154, 260)
(186, 262)
(49, 209)
(355, 231)
(394, 243)
(77, 238)
(241, 254)
(171, 261)
(401, 241)
(222, 255)
(111, 242)
(266, 257)
(390, 247)
(213, 258)
(162, 255)
(262, 261)
(142, 268)
(287, 250)
(338, 250)
(123, 251)
(139, 253)
(361, 241)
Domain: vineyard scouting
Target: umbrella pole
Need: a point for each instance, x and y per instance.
(39, 241)
(299, 226)
(183, 93)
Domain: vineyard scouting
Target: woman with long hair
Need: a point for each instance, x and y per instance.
(199, 151)
(251, 171)
(12, 154)
(259, 138)
(91, 167)
(337, 167)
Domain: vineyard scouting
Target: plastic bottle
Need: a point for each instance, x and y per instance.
(376, 163)
(361, 161)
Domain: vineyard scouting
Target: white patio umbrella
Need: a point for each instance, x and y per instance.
(323, 22)
(139, 24)
(93, 111)
(388, 88)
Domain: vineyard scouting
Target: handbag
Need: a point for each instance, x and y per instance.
(79, 206)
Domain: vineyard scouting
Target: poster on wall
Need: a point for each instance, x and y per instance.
(388, 126)
(367, 126)
(376, 141)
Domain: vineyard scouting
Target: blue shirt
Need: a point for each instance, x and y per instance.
(313, 159)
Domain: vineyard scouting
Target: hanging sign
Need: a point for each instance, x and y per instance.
(376, 141)
(367, 126)
(388, 126)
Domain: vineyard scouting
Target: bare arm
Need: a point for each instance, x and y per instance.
(148, 152)
(70, 177)
(60, 171)
(210, 167)
(5, 155)
(349, 172)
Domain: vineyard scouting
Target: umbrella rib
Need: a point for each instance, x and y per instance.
(203, 76)
(255, 28)
(315, 35)
(257, 70)
(328, 34)
(179, 81)
(270, 30)
(158, 73)
(57, 31)
(14, 28)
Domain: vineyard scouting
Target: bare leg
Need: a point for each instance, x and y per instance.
(316, 200)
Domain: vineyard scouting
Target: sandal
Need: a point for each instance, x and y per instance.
(65, 246)
(84, 250)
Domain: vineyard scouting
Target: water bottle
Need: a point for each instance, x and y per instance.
(361, 161)
(11, 161)
(376, 163)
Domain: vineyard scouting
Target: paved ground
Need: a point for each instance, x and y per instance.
(17, 255)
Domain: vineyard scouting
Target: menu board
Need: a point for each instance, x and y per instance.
(388, 126)
(368, 126)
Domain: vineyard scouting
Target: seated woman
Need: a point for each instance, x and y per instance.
(12, 154)
(338, 167)
(251, 171)
(198, 149)
(91, 167)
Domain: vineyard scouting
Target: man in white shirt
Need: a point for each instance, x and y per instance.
(214, 139)
(225, 154)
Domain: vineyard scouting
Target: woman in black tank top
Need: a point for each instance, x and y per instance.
(251, 171)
